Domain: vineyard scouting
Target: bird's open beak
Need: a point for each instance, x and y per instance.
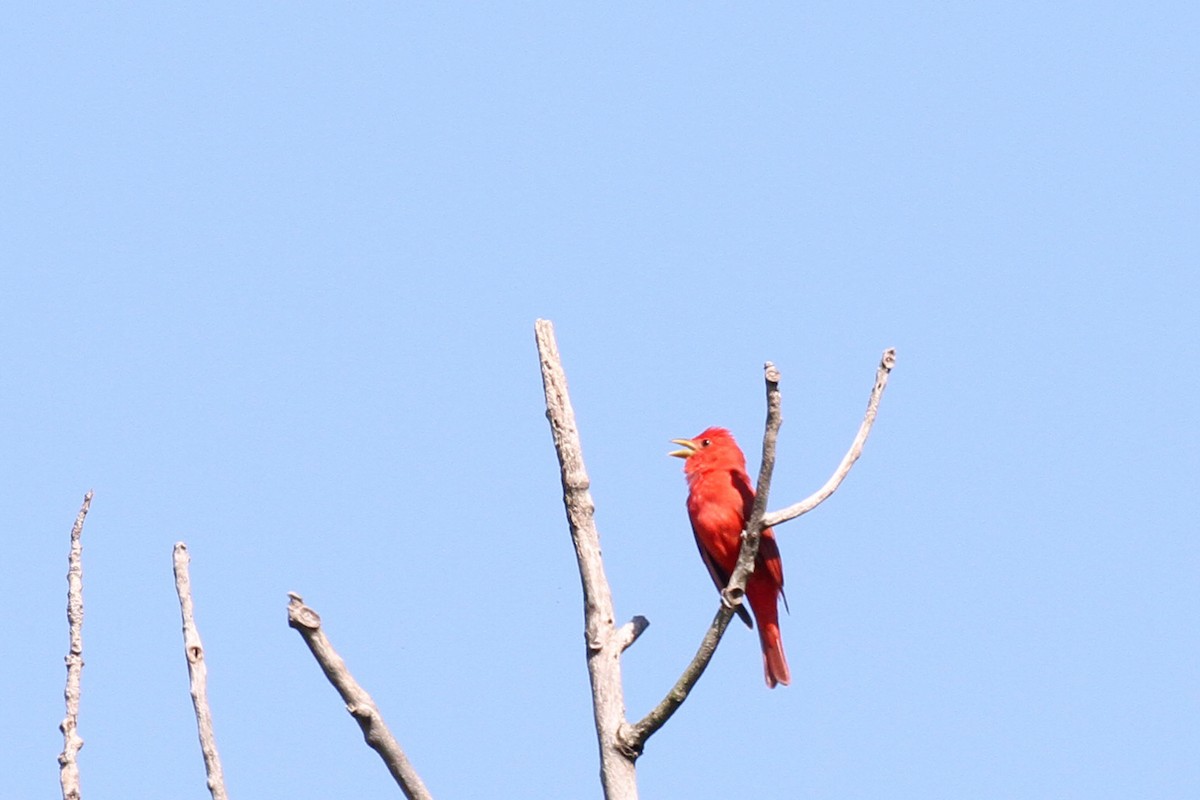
(688, 446)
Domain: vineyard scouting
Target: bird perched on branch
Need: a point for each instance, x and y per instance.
(719, 499)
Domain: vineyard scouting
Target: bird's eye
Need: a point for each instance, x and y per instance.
(706, 442)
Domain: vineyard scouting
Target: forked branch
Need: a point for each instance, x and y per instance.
(634, 736)
(886, 363)
(620, 742)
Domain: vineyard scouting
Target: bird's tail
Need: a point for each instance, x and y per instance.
(775, 666)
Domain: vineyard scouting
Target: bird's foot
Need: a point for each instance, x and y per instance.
(732, 598)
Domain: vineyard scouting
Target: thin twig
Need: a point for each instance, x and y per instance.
(193, 650)
(618, 774)
(635, 736)
(68, 764)
(886, 363)
(755, 525)
(358, 702)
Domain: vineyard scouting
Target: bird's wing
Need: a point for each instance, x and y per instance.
(769, 561)
(721, 579)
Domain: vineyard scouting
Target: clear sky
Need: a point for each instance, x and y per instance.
(270, 278)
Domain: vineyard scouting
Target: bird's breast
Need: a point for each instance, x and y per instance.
(715, 508)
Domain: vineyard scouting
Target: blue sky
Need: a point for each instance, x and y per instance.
(270, 281)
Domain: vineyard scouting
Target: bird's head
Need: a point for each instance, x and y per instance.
(715, 448)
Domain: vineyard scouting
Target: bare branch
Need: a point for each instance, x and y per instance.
(604, 643)
(755, 525)
(358, 702)
(68, 774)
(603, 659)
(634, 736)
(886, 363)
(193, 650)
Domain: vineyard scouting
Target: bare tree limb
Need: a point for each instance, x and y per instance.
(634, 736)
(618, 773)
(886, 363)
(193, 650)
(68, 773)
(358, 702)
(621, 746)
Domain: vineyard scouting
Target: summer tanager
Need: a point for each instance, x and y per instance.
(719, 499)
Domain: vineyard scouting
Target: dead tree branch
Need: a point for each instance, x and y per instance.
(68, 774)
(604, 642)
(620, 742)
(886, 363)
(634, 736)
(360, 705)
(193, 650)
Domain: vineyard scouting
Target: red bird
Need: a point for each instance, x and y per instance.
(719, 499)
